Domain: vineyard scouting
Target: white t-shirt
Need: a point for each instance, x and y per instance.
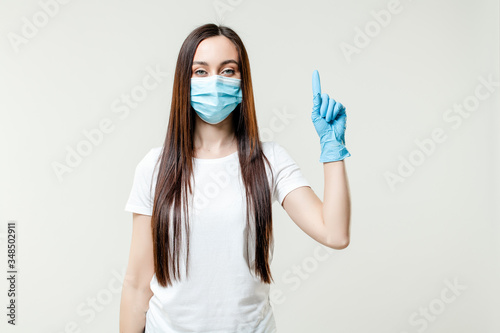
(221, 295)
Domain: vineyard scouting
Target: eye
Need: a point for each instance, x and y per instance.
(200, 71)
(228, 71)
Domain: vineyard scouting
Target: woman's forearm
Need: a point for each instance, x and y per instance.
(133, 307)
(337, 204)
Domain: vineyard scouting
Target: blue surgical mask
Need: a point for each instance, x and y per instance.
(215, 97)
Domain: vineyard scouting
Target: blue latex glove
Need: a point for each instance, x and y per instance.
(329, 119)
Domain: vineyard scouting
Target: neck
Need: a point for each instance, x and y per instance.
(214, 138)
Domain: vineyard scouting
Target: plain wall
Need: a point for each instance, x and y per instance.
(412, 242)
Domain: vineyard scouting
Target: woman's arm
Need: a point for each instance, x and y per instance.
(136, 292)
(326, 222)
(337, 204)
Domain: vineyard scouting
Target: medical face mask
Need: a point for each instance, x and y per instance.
(215, 97)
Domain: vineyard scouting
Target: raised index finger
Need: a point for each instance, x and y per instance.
(315, 83)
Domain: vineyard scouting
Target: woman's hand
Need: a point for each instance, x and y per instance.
(329, 119)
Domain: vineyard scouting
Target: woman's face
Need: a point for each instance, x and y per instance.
(216, 56)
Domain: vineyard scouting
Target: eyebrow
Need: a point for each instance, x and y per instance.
(225, 62)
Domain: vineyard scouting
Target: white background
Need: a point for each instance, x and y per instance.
(440, 224)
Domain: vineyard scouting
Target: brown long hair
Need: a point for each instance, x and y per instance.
(176, 166)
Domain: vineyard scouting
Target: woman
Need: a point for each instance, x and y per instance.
(202, 237)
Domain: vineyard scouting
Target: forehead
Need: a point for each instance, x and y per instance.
(216, 49)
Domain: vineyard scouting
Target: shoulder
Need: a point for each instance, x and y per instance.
(273, 149)
(275, 152)
(148, 162)
(268, 148)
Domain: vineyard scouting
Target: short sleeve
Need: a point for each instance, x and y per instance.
(287, 173)
(141, 196)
